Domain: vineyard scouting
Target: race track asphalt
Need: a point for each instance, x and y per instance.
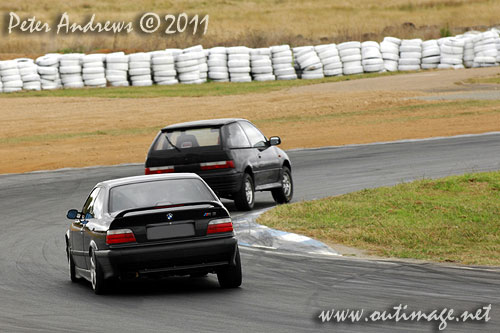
(281, 292)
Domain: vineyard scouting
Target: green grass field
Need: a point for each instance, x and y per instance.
(190, 90)
(454, 219)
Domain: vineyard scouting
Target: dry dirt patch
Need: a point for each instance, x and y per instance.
(55, 132)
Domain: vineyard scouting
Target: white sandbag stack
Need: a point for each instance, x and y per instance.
(350, 55)
(452, 53)
(261, 65)
(70, 69)
(48, 69)
(309, 63)
(217, 65)
(117, 69)
(431, 54)
(329, 56)
(282, 60)
(410, 55)
(485, 49)
(29, 74)
(187, 67)
(139, 71)
(10, 76)
(389, 48)
(371, 58)
(163, 67)
(238, 61)
(94, 73)
(202, 60)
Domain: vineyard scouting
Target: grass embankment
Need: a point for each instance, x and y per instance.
(255, 23)
(190, 90)
(454, 219)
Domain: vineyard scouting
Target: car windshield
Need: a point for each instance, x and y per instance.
(189, 138)
(158, 193)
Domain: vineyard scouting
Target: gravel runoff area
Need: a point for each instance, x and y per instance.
(360, 111)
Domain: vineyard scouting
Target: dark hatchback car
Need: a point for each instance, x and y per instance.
(231, 155)
(157, 225)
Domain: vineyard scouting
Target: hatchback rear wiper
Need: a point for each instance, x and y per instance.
(170, 142)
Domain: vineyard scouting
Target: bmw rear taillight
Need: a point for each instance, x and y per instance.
(217, 165)
(158, 170)
(220, 225)
(119, 236)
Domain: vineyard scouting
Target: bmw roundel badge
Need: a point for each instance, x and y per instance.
(170, 216)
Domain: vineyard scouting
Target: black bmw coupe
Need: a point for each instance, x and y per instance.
(152, 225)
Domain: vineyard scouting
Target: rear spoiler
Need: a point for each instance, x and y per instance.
(198, 203)
(170, 130)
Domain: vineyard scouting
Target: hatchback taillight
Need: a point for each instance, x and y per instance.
(120, 236)
(220, 225)
(217, 165)
(158, 170)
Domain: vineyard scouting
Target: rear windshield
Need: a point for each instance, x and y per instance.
(158, 193)
(189, 138)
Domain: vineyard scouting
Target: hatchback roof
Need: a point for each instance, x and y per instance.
(146, 178)
(202, 123)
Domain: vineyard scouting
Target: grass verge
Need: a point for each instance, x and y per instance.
(186, 90)
(454, 219)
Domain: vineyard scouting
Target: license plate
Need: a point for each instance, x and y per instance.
(170, 231)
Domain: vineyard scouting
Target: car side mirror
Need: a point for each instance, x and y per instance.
(72, 214)
(274, 140)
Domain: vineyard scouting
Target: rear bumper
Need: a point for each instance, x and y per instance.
(222, 183)
(170, 259)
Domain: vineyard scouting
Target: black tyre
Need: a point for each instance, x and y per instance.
(244, 199)
(71, 267)
(284, 194)
(231, 277)
(99, 284)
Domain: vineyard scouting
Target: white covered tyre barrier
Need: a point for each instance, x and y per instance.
(187, 67)
(308, 62)
(389, 48)
(431, 54)
(48, 69)
(163, 67)
(330, 59)
(241, 64)
(371, 56)
(29, 74)
(117, 69)
(217, 65)
(350, 55)
(238, 63)
(282, 62)
(10, 76)
(140, 69)
(70, 69)
(93, 71)
(410, 55)
(261, 65)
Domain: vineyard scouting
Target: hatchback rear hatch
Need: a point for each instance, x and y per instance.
(194, 149)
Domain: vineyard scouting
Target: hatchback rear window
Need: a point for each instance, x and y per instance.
(189, 138)
(158, 193)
